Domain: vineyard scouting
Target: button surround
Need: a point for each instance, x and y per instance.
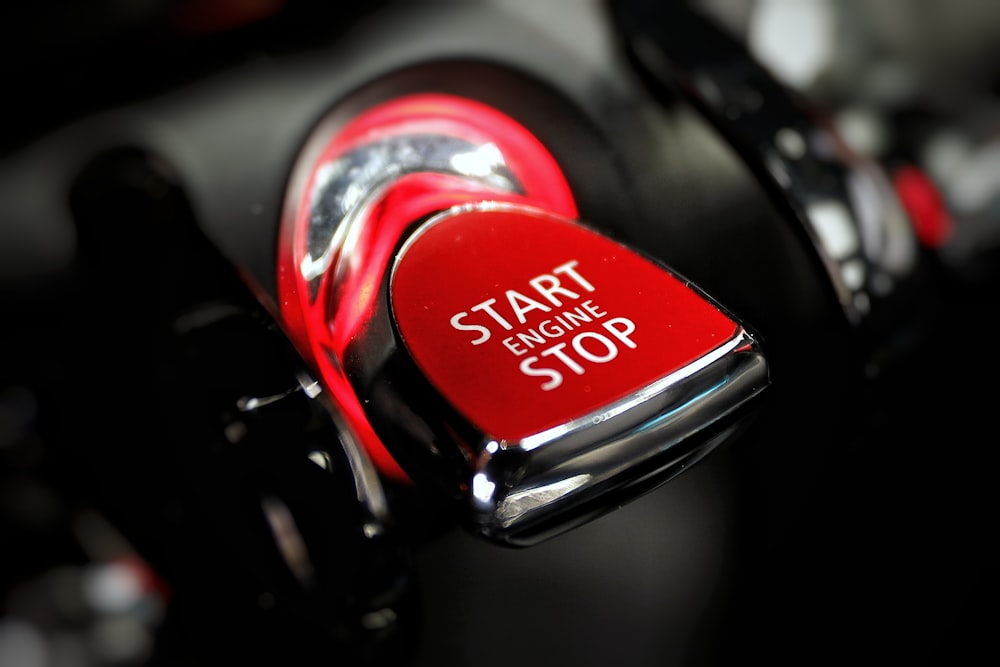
(374, 186)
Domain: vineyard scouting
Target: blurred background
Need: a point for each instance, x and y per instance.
(904, 81)
(896, 553)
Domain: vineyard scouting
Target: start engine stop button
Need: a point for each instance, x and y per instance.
(526, 321)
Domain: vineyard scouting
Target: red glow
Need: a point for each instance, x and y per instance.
(323, 328)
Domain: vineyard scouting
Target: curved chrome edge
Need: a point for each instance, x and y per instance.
(367, 484)
(345, 186)
(646, 438)
(332, 241)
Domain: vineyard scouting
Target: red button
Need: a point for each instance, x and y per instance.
(526, 321)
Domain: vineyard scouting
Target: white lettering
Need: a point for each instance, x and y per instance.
(512, 345)
(610, 349)
(589, 346)
(557, 352)
(484, 333)
(530, 337)
(549, 287)
(589, 306)
(550, 330)
(553, 286)
(569, 269)
(576, 318)
(487, 307)
(628, 326)
(515, 298)
(554, 376)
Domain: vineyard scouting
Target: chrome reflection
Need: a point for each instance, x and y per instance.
(653, 391)
(346, 187)
(835, 228)
(322, 459)
(251, 403)
(640, 442)
(367, 483)
(310, 387)
(289, 540)
(852, 215)
(483, 488)
(517, 504)
(887, 234)
(862, 230)
(838, 196)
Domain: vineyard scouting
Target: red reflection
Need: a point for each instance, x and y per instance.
(323, 328)
(931, 219)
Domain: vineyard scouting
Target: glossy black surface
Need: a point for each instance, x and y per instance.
(792, 147)
(187, 425)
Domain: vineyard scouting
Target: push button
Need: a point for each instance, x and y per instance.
(475, 333)
(527, 322)
(585, 369)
